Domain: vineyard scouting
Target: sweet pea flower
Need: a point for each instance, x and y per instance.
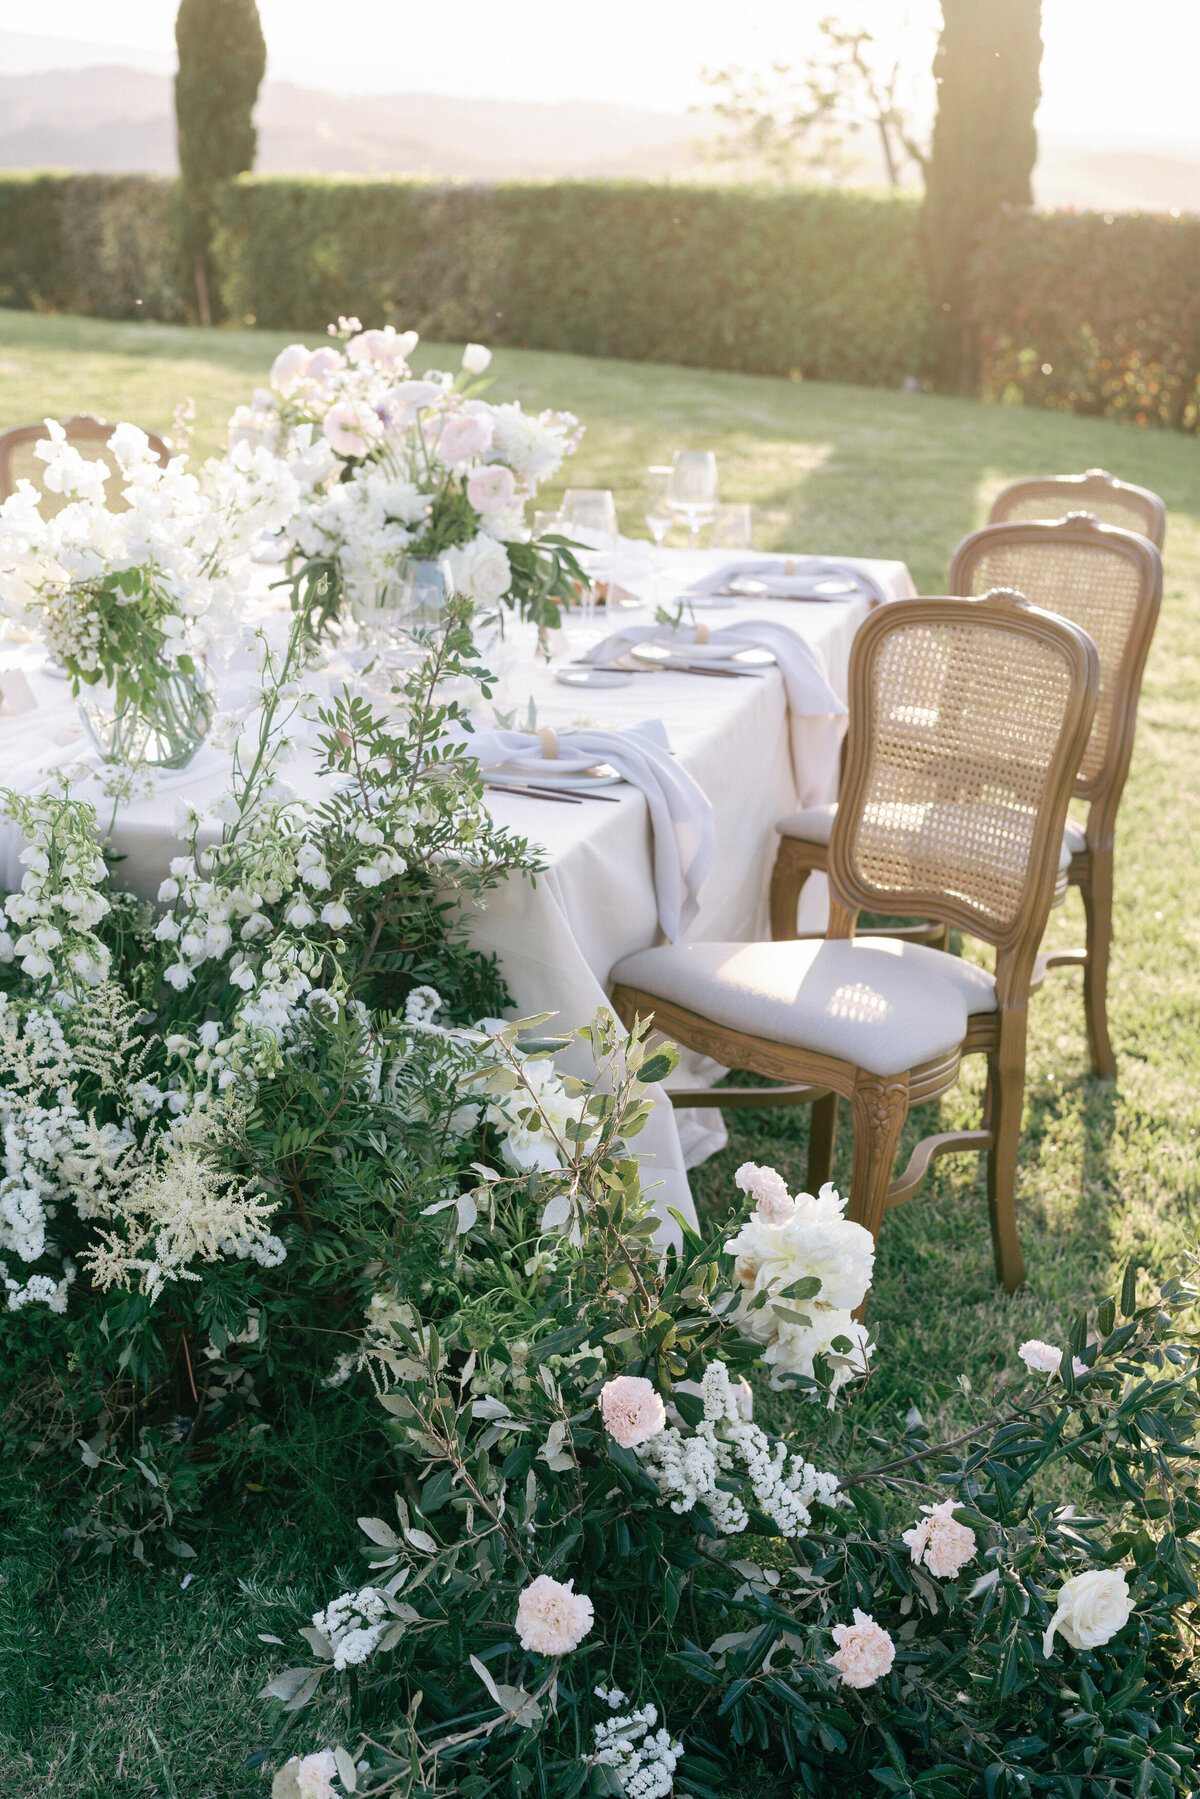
(1092, 1608)
(491, 489)
(865, 1651)
(631, 1409)
(940, 1541)
(552, 1619)
(462, 439)
(388, 348)
(289, 368)
(351, 430)
(475, 358)
(336, 915)
(321, 364)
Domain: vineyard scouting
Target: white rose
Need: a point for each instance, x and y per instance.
(483, 570)
(475, 358)
(1092, 1608)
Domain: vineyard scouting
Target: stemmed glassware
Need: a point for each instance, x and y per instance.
(589, 517)
(693, 490)
(658, 515)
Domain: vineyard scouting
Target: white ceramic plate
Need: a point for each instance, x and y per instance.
(718, 655)
(548, 774)
(592, 677)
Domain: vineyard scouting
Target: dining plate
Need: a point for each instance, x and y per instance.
(715, 655)
(550, 774)
(592, 677)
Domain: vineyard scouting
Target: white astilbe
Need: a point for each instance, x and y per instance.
(178, 1206)
(688, 1467)
(353, 1624)
(642, 1758)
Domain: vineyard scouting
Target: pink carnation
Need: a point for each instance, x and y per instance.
(865, 1651)
(773, 1203)
(1044, 1358)
(551, 1618)
(631, 1409)
(938, 1540)
(315, 1775)
(463, 438)
(491, 489)
(351, 430)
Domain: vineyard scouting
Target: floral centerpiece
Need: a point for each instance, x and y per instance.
(398, 468)
(116, 590)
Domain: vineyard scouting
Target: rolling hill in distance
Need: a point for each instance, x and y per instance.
(62, 106)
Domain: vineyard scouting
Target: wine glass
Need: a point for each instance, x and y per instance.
(658, 515)
(693, 490)
(733, 528)
(589, 518)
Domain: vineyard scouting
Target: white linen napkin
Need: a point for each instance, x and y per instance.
(802, 666)
(680, 814)
(788, 577)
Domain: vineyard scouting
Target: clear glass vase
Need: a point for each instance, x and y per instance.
(392, 616)
(165, 733)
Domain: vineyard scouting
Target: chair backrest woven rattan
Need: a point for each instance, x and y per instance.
(90, 437)
(1107, 581)
(1113, 502)
(967, 725)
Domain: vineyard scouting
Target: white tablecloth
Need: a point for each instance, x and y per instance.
(557, 940)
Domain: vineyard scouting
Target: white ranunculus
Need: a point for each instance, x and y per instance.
(1092, 1608)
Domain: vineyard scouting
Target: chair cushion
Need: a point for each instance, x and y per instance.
(881, 1003)
(1074, 838)
(814, 824)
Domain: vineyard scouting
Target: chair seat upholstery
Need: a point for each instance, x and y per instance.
(880, 1003)
(814, 824)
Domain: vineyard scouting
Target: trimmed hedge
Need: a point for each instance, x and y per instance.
(828, 285)
(102, 245)
(1091, 312)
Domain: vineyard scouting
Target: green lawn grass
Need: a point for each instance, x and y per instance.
(116, 1683)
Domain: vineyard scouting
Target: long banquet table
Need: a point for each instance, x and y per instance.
(556, 940)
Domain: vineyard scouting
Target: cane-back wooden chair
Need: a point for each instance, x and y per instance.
(90, 437)
(1109, 582)
(967, 723)
(1113, 502)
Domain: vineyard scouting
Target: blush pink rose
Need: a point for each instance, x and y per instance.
(463, 438)
(940, 1541)
(491, 489)
(289, 367)
(351, 430)
(865, 1651)
(631, 1409)
(768, 1189)
(552, 1619)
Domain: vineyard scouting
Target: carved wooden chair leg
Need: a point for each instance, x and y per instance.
(1097, 891)
(794, 862)
(822, 1139)
(1002, 1117)
(878, 1108)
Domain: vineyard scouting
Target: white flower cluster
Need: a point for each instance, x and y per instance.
(531, 1121)
(373, 446)
(184, 533)
(58, 905)
(781, 1245)
(353, 1625)
(689, 1468)
(642, 1758)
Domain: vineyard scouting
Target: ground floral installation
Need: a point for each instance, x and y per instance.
(272, 1131)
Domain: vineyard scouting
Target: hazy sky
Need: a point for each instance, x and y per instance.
(650, 52)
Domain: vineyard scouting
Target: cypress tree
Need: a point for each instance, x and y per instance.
(222, 60)
(982, 156)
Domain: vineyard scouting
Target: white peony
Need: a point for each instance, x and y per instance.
(1092, 1608)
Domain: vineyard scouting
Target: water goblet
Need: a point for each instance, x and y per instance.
(693, 490)
(589, 518)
